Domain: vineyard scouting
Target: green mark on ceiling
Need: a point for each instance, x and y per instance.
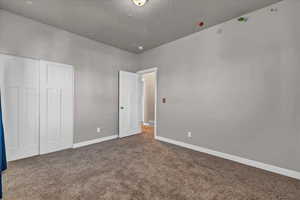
(243, 19)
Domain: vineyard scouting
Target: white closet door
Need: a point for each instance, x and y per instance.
(130, 103)
(56, 106)
(20, 103)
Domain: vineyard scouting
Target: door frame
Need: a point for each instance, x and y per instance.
(146, 71)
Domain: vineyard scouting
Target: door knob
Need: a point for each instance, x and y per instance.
(122, 107)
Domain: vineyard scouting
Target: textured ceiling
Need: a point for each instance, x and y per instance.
(122, 24)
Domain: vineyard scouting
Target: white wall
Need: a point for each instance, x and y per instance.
(96, 69)
(237, 92)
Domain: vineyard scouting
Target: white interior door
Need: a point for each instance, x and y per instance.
(130, 103)
(20, 104)
(56, 106)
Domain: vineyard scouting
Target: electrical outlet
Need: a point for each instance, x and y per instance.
(98, 130)
(189, 134)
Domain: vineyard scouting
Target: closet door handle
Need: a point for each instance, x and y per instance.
(122, 108)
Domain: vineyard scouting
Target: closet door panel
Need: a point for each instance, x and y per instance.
(11, 121)
(20, 89)
(54, 116)
(56, 89)
(30, 121)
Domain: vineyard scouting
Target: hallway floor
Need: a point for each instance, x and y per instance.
(141, 168)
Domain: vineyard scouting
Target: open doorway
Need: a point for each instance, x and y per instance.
(149, 95)
(137, 102)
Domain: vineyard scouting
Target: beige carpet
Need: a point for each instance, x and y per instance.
(140, 168)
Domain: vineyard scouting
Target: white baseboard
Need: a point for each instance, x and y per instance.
(98, 140)
(252, 163)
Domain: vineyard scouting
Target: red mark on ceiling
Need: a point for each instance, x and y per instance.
(200, 24)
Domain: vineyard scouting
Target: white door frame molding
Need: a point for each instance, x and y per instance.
(153, 70)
